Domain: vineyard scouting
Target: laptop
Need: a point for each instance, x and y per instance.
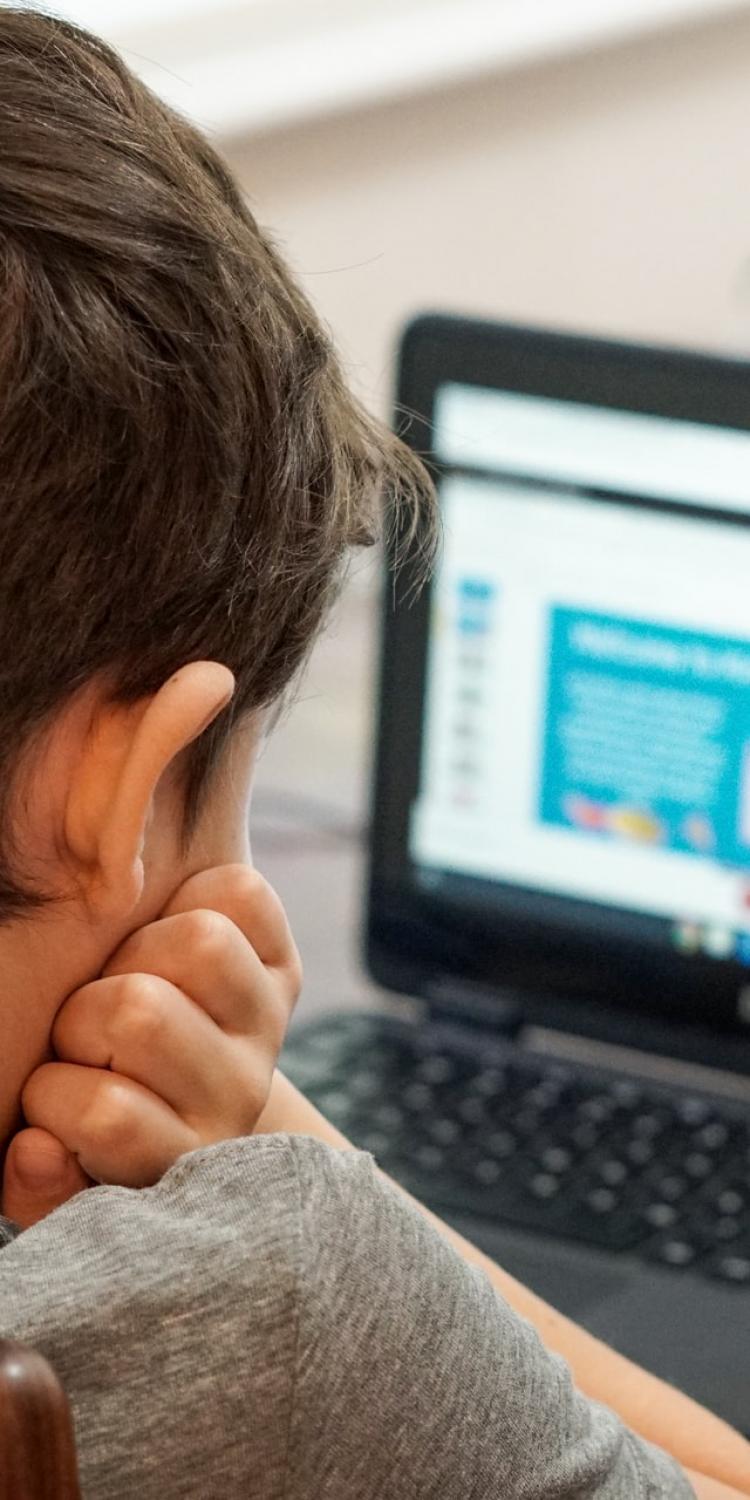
(558, 901)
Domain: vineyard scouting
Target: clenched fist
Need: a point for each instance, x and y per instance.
(172, 1048)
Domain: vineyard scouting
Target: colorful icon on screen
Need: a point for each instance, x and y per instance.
(584, 812)
(625, 822)
(742, 949)
(475, 599)
(634, 823)
(476, 623)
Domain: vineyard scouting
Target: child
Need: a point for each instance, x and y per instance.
(235, 1307)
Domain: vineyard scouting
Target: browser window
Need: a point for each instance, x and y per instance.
(587, 721)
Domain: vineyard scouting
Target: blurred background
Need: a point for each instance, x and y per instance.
(575, 163)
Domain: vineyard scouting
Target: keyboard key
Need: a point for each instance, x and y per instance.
(729, 1267)
(489, 1083)
(730, 1202)
(418, 1097)
(598, 1107)
(556, 1159)
(544, 1185)
(698, 1165)
(546, 1096)
(436, 1068)
(527, 1121)
(692, 1111)
(640, 1152)
(487, 1170)
(601, 1200)
(443, 1130)
(429, 1157)
(672, 1251)
(660, 1215)
(612, 1171)
(500, 1144)
(389, 1117)
(472, 1110)
(363, 1086)
(709, 1229)
(669, 1188)
(711, 1137)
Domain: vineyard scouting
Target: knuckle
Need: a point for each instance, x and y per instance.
(207, 930)
(140, 1015)
(248, 882)
(107, 1124)
(255, 894)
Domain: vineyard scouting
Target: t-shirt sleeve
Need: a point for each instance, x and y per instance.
(415, 1378)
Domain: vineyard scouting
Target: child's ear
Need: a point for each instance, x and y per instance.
(112, 793)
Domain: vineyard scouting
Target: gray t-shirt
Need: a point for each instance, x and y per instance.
(274, 1321)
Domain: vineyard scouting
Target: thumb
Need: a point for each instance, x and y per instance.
(40, 1174)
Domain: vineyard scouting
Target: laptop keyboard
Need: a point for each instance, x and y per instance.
(511, 1136)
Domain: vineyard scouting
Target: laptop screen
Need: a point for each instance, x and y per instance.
(586, 723)
(562, 782)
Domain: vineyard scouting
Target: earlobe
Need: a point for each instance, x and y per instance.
(113, 803)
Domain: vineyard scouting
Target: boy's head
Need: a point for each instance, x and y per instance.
(182, 472)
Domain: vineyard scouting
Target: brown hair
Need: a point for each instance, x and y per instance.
(182, 468)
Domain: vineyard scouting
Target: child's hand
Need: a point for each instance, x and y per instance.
(174, 1047)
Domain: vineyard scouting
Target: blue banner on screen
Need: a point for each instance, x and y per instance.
(647, 735)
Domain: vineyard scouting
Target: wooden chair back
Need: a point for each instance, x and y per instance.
(37, 1448)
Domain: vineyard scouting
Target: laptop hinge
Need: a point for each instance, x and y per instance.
(476, 1005)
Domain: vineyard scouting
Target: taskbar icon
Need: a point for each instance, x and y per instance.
(711, 939)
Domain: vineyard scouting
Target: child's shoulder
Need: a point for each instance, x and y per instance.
(230, 1209)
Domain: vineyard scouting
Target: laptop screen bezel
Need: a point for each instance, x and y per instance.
(421, 942)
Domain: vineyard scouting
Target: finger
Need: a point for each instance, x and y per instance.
(145, 1028)
(241, 893)
(119, 1131)
(204, 954)
(40, 1175)
(206, 957)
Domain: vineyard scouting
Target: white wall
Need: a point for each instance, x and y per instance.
(608, 193)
